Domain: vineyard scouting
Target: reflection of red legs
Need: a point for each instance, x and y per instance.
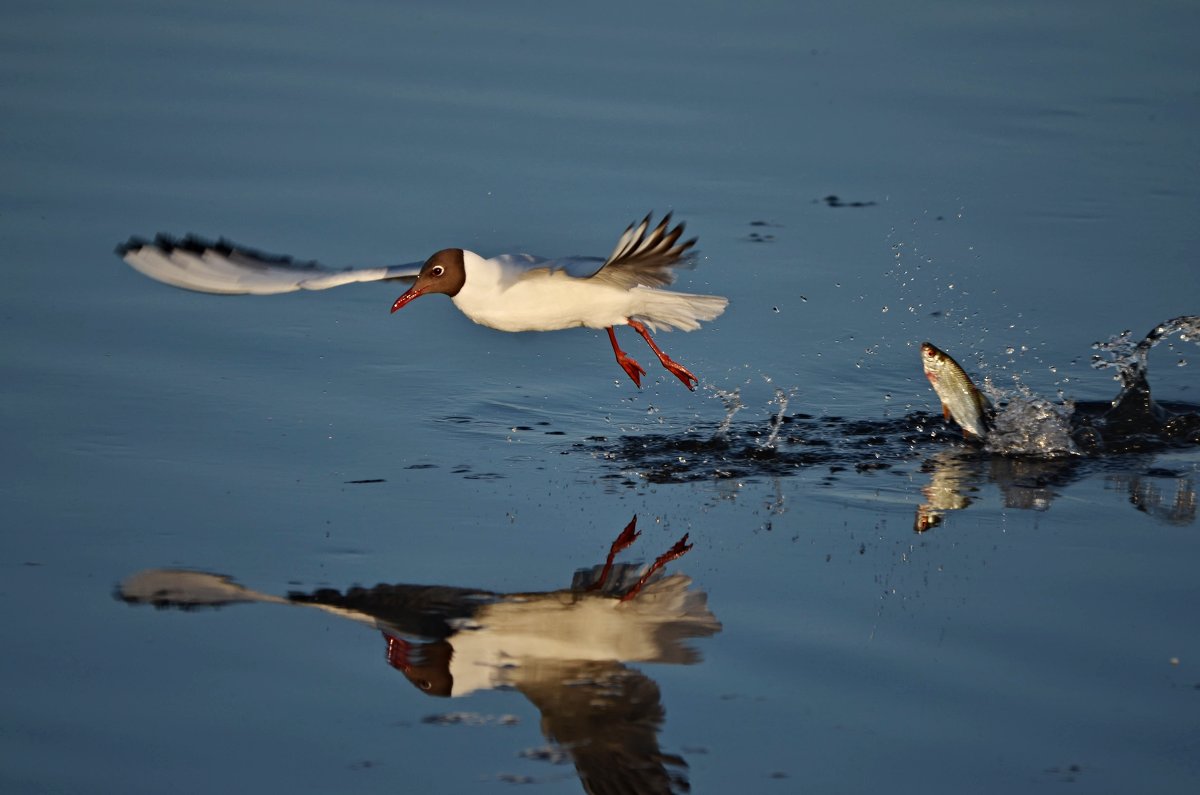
(625, 539)
(681, 546)
(678, 370)
(632, 368)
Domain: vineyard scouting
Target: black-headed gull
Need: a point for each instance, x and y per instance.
(509, 292)
(565, 650)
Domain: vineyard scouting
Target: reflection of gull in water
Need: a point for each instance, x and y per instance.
(562, 649)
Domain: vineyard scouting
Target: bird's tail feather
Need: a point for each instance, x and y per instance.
(663, 311)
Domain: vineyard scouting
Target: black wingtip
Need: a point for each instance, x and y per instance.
(132, 244)
(162, 241)
(222, 247)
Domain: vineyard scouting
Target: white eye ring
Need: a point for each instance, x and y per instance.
(437, 270)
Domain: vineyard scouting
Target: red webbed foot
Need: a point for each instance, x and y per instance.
(681, 546)
(682, 373)
(631, 367)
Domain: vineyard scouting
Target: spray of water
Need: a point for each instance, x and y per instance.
(733, 404)
(1129, 358)
(1028, 424)
(781, 399)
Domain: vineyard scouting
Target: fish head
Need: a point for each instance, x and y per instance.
(932, 359)
(444, 272)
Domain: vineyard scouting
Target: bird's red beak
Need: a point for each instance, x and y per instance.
(409, 295)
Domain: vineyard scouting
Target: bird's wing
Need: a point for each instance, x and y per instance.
(643, 256)
(425, 611)
(229, 269)
(607, 718)
(185, 589)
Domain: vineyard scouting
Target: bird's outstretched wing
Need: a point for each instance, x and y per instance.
(643, 256)
(606, 716)
(226, 268)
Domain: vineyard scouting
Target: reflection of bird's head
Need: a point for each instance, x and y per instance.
(426, 665)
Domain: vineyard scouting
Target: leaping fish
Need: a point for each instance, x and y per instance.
(961, 399)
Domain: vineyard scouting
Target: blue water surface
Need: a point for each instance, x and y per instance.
(1012, 181)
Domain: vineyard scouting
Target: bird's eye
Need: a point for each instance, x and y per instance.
(425, 684)
(437, 270)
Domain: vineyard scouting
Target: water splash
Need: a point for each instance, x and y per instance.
(1134, 411)
(733, 404)
(1027, 424)
(1130, 358)
(781, 399)
(1028, 431)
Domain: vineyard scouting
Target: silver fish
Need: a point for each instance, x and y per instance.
(961, 399)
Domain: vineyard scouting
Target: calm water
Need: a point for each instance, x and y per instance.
(1014, 183)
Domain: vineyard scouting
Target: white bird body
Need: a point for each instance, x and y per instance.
(509, 292)
(524, 293)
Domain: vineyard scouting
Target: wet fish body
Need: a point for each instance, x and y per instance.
(961, 399)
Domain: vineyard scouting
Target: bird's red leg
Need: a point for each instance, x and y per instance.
(677, 369)
(632, 368)
(625, 539)
(681, 546)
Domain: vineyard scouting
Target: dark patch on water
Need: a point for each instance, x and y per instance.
(919, 443)
(546, 753)
(761, 237)
(742, 451)
(1066, 774)
(832, 200)
(514, 778)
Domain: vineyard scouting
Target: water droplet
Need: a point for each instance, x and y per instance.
(775, 309)
(1010, 350)
(885, 309)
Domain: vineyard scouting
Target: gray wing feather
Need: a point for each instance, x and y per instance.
(643, 256)
(225, 268)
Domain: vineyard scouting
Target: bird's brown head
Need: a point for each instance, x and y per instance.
(428, 667)
(444, 272)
